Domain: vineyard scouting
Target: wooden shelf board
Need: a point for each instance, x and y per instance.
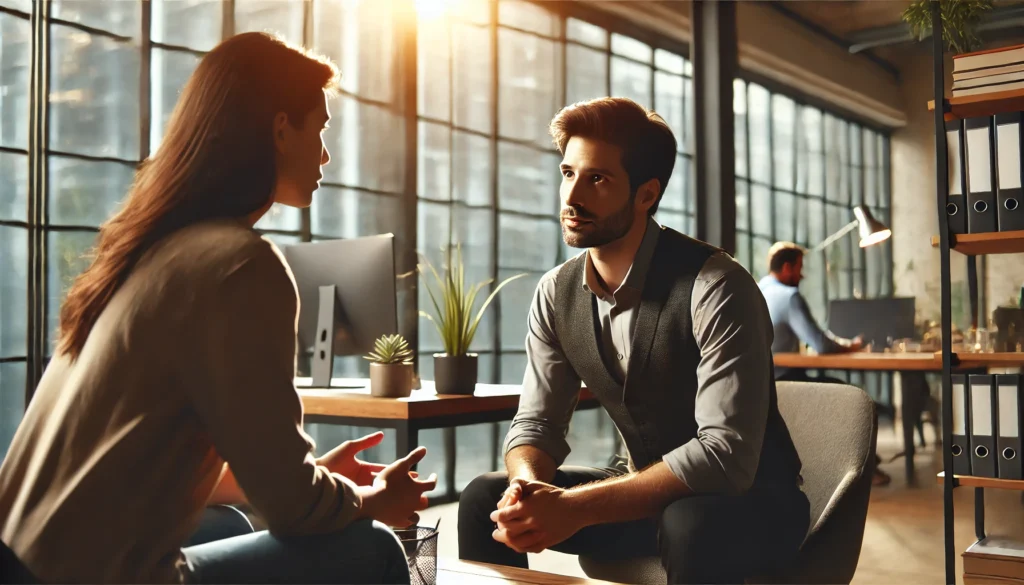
(984, 482)
(972, 106)
(1001, 359)
(990, 243)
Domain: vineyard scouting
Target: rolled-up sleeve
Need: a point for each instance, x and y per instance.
(807, 329)
(733, 330)
(551, 386)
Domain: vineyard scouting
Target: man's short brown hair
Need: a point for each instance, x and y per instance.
(783, 253)
(647, 143)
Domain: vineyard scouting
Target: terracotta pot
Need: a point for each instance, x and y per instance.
(455, 374)
(390, 380)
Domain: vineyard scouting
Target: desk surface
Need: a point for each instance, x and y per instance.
(890, 362)
(456, 572)
(425, 403)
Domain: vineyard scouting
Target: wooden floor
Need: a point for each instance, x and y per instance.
(903, 537)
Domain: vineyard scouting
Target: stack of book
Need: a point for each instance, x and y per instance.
(994, 560)
(988, 72)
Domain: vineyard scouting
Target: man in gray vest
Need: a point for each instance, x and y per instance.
(674, 339)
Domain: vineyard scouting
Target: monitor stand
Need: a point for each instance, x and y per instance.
(323, 347)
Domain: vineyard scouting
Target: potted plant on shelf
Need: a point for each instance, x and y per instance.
(390, 367)
(959, 21)
(455, 370)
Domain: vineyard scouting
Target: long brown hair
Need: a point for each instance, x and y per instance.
(216, 161)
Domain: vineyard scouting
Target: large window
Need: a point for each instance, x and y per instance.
(800, 171)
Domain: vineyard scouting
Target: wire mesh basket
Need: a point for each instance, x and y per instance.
(420, 544)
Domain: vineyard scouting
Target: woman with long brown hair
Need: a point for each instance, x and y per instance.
(171, 388)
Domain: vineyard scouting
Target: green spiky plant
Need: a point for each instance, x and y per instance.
(453, 303)
(959, 18)
(390, 349)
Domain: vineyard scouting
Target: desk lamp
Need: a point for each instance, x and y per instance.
(872, 232)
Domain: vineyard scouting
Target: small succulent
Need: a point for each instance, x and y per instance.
(391, 349)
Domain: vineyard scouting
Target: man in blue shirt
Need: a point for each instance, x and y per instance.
(791, 317)
(793, 322)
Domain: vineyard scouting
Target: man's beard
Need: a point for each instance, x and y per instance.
(599, 231)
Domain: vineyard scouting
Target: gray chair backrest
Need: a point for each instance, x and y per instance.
(834, 429)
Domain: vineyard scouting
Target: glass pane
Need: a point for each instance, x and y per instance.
(802, 236)
(433, 168)
(759, 261)
(760, 147)
(513, 369)
(812, 286)
(586, 33)
(281, 217)
(815, 221)
(94, 94)
(432, 237)
(196, 24)
(761, 208)
(283, 18)
(22, 5)
(674, 198)
(587, 74)
(631, 80)
(13, 291)
(743, 250)
(345, 213)
(669, 61)
(12, 402)
(785, 217)
(527, 243)
(478, 13)
(739, 108)
(15, 57)
(472, 172)
(527, 16)
(366, 141)
(433, 71)
(529, 73)
(515, 308)
(13, 187)
(783, 145)
(68, 255)
(472, 230)
(85, 192)
(528, 179)
(812, 138)
(170, 71)
(358, 35)
(668, 102)
(742, 206)
(632, 48)
(471, 56)
(475, 448)
(672, 219)
(686, 145)
(122, 18)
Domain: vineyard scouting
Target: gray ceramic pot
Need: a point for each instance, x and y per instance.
(390, 380)
(455, 374)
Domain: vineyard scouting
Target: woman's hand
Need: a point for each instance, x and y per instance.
(342, 459)
(396, 495)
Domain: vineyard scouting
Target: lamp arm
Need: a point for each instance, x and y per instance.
(832, 239)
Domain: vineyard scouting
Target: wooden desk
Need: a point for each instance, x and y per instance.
(424, 409)
(455, 572)
(863, 361)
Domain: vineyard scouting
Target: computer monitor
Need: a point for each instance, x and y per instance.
(347, 298)
(878, 321)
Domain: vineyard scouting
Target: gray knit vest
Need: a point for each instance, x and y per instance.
(654, 410)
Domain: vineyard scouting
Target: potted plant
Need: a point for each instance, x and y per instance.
(959, 21)
(390, 367)
(455, 370)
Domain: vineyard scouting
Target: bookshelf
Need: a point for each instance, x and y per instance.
(984, 482)
(971, 245)
(972, 106)
(990, 243)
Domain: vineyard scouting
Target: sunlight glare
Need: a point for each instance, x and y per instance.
(432, 9)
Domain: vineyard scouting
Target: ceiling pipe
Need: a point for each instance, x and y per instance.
(999, 18)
